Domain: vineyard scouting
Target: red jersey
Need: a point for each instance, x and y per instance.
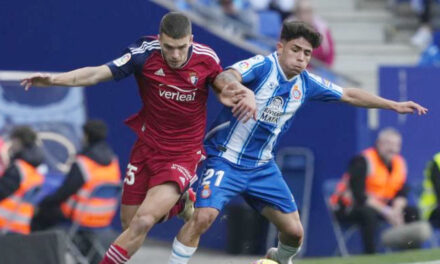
(173, 116)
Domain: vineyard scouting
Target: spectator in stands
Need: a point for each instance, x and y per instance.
(304, 11)
(4, 158)
(431, 56)
(374, 188)
(423, 37)
(430, 198)
(283, 7)
(240, 11)
(94, 166)
(20, 177)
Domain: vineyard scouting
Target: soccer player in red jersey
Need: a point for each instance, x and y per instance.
(173, 75)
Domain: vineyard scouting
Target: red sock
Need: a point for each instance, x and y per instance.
(115, 255)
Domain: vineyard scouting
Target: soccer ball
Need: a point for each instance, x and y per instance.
(265, 261)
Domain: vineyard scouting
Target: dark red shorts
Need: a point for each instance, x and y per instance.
(148, 168)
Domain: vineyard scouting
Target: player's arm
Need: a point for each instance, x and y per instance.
(80, 77)
(231, 92)
(358, 97)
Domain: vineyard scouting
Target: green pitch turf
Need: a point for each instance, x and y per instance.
(410, 256)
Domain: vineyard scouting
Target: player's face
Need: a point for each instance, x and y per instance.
(294, 56)
(175, 51)
(389, 146)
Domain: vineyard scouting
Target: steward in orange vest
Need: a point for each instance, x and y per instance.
(374, 188)
(380, 182)
(19, 178)
(94, 166)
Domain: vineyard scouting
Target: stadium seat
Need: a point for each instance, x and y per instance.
(296, 165)
(269, 24)
(342, 232)
(77, 232)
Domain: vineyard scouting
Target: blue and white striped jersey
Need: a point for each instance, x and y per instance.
(252, 144)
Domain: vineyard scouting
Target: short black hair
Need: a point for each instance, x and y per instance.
(25, 134)
(176, 25)
(95, 130)
(296, 29)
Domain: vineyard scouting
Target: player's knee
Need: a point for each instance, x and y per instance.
(294, 231)
(125, 221)
(203, 220)
(142, 223)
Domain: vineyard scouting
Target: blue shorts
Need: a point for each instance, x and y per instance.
(261, 186)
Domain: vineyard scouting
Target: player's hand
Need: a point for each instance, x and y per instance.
(37, 79)
(232, 93)
(410, 107)
(246, 107)
(393, 217)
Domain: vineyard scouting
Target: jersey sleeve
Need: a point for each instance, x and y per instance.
(133, 58)
(215, 68)
(320, 89)
(250, 69)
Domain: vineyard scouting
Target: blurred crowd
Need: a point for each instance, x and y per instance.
(259, 21)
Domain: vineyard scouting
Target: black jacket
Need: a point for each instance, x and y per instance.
(358, 176)
(10, 181)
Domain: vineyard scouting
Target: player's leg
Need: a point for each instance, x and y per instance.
(187, 240)
(269, 194)
(127, 214)
(220, 182)
(159, 200)
(290, 234)
(135, 183)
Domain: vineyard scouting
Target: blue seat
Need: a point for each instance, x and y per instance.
(269, 24)
(297, 166)
(105, 191)
(342, 232)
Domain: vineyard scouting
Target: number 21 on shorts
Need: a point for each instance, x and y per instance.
(209, 173)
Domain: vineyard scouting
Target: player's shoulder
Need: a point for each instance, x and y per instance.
(205, 53)
(145, 44)
(255, 62)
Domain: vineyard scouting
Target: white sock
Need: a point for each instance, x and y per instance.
(285, 253)
(180, 253)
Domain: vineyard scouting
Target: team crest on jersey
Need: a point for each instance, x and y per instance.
(206, 192)
(193, 78)
(273, 112)
(122, 60)
(296, 92)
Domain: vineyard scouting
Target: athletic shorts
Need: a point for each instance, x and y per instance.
(148, 168)
(261, 186)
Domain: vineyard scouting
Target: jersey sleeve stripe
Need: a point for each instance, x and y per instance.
(145, 45)
(207, 50)
(200, 48)
(217, 60)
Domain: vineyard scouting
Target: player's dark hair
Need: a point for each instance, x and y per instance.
(95, 130)
(25, 134)
(176, 25)
(296, 29)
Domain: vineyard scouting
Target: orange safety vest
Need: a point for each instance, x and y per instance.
(380, 182)
(94, 212)
(16, 214)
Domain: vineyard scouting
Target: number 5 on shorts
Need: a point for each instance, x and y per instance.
(209, 173)
(129, 178)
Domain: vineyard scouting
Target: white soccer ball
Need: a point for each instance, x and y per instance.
(265, 261)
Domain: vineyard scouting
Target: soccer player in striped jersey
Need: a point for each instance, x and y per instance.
(173, 74)
(240, 155)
